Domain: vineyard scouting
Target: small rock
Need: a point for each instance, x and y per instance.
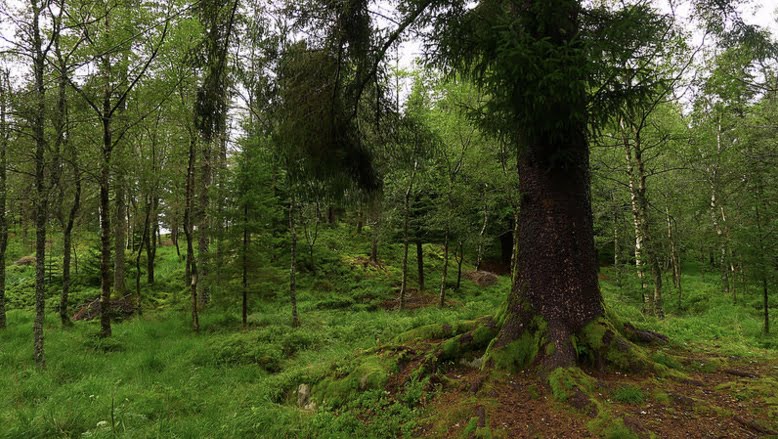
(303, 395)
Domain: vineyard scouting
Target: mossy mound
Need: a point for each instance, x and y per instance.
(370, 373)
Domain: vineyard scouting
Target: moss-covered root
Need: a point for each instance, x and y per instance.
(600, 344)
(520, 353)
(473, 340)
(439, 331)
(573, 387)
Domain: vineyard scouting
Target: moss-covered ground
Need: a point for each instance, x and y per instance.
(348, 371)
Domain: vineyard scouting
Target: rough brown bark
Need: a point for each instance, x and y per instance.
(556, 279)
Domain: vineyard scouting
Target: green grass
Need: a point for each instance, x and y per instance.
(628, 395)
(155, 378)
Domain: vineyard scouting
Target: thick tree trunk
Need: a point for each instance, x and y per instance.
(557, 264)
(420, 263)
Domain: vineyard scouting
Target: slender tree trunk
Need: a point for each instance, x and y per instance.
(375, 226)
(41, 193)
(675, 259)
(480, 249)
(174, 237)
(4, 95)
(764, 255)
(515, 254)
(203, 226)
(148, 241)
(67, 247)
(406, 238)
(360, 219)
(420, 263)
(717, 213)
(293, 262)
(244, 266)
(444, 275)
(643, 242)
(188, 230)
(105, 230)
(460, 260)
(151, 242)
(120, 235)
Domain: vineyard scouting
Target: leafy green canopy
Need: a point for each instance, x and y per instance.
(552, 68)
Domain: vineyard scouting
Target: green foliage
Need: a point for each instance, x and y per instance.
(628, 394)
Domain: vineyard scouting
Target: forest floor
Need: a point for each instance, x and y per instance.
(342, 374)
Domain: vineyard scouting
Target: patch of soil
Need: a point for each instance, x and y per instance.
(496, 266)
(415, 299)
(514, 407)
(366, 262)
(482, 278)
(120, 309)
(707, 405)
(25, 261)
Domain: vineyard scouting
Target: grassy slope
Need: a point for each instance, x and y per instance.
(155, 378)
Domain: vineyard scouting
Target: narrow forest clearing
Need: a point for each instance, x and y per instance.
(341, 374)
